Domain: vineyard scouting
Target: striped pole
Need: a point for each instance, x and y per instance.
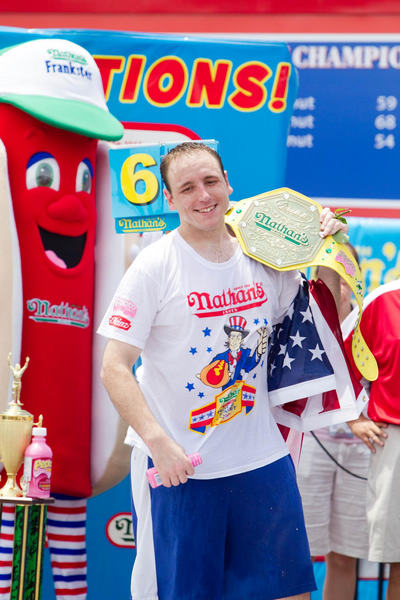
(22, 536)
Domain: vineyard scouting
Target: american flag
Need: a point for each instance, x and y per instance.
(309, 379)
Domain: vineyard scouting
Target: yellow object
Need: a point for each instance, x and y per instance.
(281, 229)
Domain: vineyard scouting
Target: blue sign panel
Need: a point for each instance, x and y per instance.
(344, 138)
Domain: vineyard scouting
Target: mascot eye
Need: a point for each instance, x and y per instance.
(43, 171)
(84, 176)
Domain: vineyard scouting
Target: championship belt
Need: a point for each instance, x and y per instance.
(281, 229)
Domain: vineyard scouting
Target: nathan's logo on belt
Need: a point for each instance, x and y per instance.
(43, 311)
(226, 406)
(120, 322)
(265, 221)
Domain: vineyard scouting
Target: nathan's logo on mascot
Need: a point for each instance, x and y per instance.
(62, 314)
(228, 301)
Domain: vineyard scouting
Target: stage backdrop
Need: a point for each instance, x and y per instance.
(343, 149)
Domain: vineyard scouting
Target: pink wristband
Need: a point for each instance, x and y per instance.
(154, 477)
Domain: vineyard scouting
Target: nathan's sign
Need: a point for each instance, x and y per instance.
(201, 82)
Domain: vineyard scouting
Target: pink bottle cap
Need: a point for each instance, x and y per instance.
(195, 459)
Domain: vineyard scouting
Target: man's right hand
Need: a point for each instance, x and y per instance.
(170, 460)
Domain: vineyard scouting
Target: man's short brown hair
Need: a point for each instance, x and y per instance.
(181, 150)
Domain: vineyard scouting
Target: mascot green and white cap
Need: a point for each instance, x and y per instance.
(61, 85)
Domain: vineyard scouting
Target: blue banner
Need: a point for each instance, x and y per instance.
(344, 139)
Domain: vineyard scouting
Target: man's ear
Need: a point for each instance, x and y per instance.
(230, 188)
(168, 197)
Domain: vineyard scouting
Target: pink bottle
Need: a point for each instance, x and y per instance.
(154, 477)
(37, 465)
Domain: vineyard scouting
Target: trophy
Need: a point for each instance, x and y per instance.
(15, 432)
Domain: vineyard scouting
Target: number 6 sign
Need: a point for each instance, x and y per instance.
(138, 203)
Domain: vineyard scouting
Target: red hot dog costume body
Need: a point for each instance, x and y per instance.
(52, 112)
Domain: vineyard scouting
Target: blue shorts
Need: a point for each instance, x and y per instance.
(240, 537)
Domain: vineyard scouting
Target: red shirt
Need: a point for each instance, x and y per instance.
(380, 326)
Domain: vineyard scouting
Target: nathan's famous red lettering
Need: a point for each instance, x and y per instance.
(203, 301)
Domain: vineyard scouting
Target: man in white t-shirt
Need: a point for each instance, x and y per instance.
(235, 529)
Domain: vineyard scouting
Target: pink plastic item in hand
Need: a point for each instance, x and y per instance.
(154, 477)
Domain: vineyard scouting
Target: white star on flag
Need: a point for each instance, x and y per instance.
(307, 316)
(297, 339)
(317, 352)
(287, 361)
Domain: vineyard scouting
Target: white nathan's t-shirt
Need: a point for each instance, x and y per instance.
(199, 325)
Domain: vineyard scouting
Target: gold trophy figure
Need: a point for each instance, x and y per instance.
(17, 372)
(15, 432)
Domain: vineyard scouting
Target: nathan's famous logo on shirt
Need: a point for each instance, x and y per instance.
(43, 311)
(240, 298)
(123, 311)
(67, 62)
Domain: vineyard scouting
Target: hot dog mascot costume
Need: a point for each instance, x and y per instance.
(52, 114)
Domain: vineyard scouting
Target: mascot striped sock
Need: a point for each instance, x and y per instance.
(66, 535)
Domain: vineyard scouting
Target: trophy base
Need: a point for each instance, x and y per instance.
(11, 489)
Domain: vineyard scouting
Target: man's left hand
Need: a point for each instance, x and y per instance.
(330, 224)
